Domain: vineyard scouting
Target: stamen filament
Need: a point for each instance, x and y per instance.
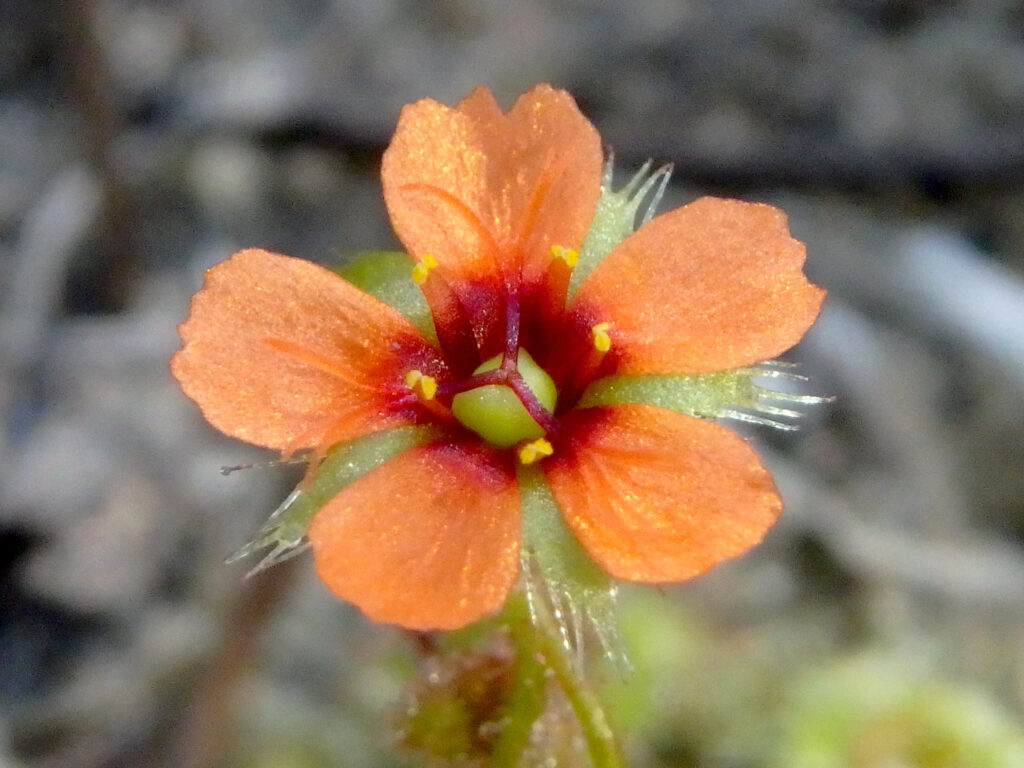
(451, 318)
(513, 324)
(497, 376)
(584, 369)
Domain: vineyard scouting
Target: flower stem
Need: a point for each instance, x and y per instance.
(541, 641)
(525, 702)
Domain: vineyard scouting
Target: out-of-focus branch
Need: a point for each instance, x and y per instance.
(109, 277)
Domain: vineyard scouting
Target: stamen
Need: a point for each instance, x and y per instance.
(568, 255)
(424, 386)
(577, 371)
(545, 304)
(535, 451)
(602, 341)
(422, 269)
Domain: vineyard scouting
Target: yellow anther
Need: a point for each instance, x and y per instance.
(426, 263)
(535, 451)
(568, 255)
(424, 386)
(602, 341)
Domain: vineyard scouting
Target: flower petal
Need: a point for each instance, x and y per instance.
(429, 540)
(482, 191)
(536, 167)
(712, 286)
(285, 354)
(657, 496)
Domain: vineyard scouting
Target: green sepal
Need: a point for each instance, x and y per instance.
(727, 395)
(558, 571)
(706, 395)
(285, 530)
(387, 275)
(615, 217)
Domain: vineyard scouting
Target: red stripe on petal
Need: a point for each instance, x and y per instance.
(487, 194)
(285, 354)
(657, 496)
(429, 540)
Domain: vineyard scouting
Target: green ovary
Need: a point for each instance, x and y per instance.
(496, 414)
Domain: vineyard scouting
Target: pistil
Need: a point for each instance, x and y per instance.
(507, 404)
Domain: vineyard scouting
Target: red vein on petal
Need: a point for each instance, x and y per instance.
(597, 475)
(551, 172)
(315, 359)
(466, 214)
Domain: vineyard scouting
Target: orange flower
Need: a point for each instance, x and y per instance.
(494, 209)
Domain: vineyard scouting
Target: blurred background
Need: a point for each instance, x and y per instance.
(141, 141)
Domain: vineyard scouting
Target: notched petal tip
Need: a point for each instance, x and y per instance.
(480, 102)
(490, 185)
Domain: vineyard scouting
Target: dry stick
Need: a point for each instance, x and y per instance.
(115, 270)
(205, 735)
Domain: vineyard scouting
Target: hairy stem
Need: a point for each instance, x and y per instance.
(526, 700)
(541, 639)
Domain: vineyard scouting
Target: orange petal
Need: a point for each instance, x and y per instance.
(285, 354)
(429, 540)
(712, 286)
(657, 496)
(482, 191)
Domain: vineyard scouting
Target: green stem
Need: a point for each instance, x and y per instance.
(526, 701)
(543, 636)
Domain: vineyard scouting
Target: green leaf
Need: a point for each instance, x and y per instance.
(387, 275)
(557, 570)
(898, 713)
(285, 529)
